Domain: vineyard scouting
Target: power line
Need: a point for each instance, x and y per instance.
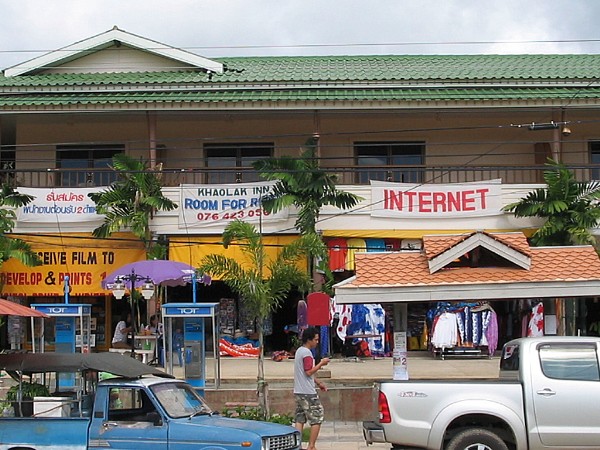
(261, 137)
(336, 45)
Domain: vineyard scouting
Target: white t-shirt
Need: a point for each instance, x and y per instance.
(303, 384)
(158, 329)
(119, 335)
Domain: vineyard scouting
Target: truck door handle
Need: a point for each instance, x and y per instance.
(109, 424)
(546, 392)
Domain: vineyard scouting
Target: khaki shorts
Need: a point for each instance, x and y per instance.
(308, 409)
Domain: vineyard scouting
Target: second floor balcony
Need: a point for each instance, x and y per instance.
(346, 175)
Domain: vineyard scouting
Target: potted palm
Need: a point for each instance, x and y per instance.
(23, 404)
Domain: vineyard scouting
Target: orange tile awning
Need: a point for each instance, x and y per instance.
(405, 276)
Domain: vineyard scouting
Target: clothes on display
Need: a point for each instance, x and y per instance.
(354, 245)
(463, 325)
(337, 254)
(366, 322)
(536, 321)
(375, 245)
(342, 251)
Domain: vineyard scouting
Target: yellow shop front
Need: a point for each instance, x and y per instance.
(82, 260)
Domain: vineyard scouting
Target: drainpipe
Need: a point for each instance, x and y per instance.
(556, 137)
(151, 120)
(317, 135)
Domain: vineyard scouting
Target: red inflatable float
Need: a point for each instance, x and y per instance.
(226, 348)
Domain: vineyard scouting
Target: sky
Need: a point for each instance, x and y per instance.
(214, 28)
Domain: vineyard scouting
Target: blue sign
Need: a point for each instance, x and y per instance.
(189, 310)
(64, 310)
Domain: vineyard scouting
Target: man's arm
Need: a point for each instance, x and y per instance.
(315, 368)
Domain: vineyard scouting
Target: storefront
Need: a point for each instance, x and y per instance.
(85, 261)
(233, 318)
(500, 269)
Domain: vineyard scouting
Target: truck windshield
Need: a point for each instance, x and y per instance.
(180, 400)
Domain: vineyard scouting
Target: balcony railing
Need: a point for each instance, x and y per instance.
(349, 175)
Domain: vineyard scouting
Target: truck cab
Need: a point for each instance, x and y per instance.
(561, 382)
(137, 407)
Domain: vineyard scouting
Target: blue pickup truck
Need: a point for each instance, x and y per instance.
(139, 408)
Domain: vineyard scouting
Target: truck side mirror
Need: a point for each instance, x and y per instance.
(155, 418)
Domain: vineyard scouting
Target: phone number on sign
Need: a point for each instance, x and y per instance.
(205, 217)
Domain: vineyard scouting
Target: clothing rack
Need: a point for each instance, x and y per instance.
(462, 329)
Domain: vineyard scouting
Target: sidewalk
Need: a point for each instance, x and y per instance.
(349, 371)
(344, 436)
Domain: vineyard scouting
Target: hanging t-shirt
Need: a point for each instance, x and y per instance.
(337, 254)
(375, 245)
(354, 245)
(392, 245)
(445, 331)
(536, 322)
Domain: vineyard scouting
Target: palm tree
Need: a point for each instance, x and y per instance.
(261, 294)
(300, 182)
(569, 207)
(14, 247)
(131, 202)
(11, 247)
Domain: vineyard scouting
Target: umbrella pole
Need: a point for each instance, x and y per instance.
(134, 317)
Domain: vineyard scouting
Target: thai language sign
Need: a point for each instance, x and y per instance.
(218, 204)
(435, 200)
(59, 205)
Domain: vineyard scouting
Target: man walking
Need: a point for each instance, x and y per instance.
(308, 406)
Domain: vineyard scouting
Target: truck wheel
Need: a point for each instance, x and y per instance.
(476, 439)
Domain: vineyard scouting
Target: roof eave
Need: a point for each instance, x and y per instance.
(108, 38)
(466, 292)
(484, 240)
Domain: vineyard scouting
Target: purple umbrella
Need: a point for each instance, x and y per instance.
(160, 272)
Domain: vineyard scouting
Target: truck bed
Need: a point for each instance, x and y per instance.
(422, 409)
(41, 432)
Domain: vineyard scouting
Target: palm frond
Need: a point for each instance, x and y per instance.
(19, 250)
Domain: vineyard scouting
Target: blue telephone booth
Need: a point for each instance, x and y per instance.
(72, 330)
(193, 342)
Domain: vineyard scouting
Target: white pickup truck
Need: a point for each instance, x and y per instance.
(546, 397)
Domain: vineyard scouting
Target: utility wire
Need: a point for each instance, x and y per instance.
(339, 45)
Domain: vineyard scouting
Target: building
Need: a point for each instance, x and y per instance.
(428, 120)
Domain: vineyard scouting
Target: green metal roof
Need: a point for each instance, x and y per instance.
(307, 95)
(323, 78)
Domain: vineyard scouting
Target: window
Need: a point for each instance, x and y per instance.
(569, 362)
(130, 405)
(371, 156)
(510, 359)
(595, 159)
(224, 159)
(180, 400)
(92, 159)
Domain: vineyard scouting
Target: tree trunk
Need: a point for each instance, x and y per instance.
(262, 386)
(560, 316)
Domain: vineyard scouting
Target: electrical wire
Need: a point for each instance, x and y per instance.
(336, 45)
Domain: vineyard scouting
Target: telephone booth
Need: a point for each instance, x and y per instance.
(193, 346)
(72, 327)
(72, 330)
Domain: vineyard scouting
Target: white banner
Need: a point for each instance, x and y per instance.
(59, 205)
(204, 205)
(435, 200)
(400, 357)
